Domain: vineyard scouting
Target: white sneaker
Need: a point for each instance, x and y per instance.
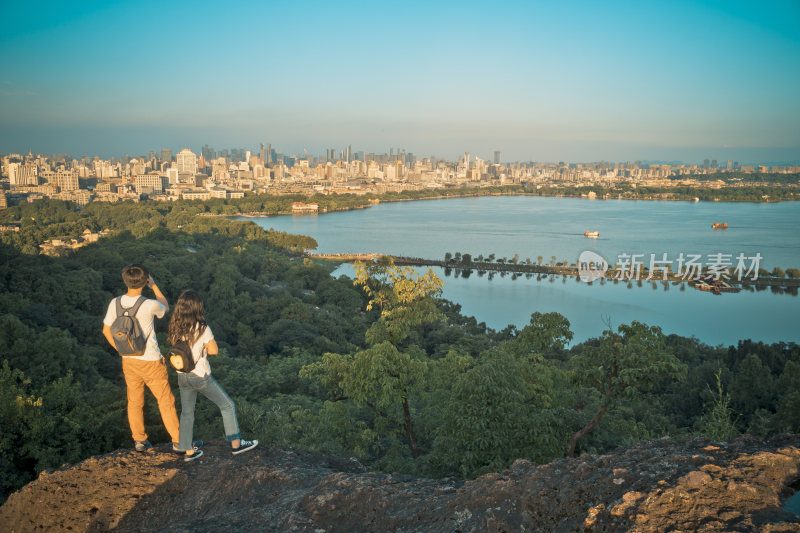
(245, 445)
(197, 453)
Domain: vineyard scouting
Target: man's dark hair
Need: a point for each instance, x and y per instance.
(135, 276)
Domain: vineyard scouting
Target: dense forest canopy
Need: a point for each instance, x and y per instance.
(383, 370)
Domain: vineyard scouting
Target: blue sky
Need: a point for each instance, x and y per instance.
(545, 81)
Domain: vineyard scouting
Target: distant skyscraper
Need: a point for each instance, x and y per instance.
(186, 162)
(713, 163)
(498, 155)
(466, 159)
(347, 154)
(26, 174)
(705, 163)
(207, 153)
(166, 155)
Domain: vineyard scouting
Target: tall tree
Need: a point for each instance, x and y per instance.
(383, 376)
(629, 360)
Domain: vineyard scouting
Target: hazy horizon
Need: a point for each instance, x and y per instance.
(543, 81)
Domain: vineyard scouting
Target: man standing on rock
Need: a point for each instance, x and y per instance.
(143, 366)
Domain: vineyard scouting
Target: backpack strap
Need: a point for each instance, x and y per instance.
(135, 309)
(129, 311)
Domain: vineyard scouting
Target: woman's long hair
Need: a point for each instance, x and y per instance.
(188, 321)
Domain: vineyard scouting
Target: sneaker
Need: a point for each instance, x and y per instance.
(197, 453)
(245, 445)
(195, 445)
(142, 445)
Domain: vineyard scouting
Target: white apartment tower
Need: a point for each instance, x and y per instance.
(186, 162)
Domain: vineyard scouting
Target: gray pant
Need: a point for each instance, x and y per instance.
(190, 385)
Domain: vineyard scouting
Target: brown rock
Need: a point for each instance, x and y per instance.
(662, 489)
(695, 479)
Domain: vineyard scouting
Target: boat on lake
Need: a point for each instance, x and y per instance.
(701, 285)
(718, 286)
(591, 234)
(719, 225)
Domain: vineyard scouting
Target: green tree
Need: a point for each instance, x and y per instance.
(752, 387)
(625, 362)
(384, 376)
(718, 421)
(545, 332)
(498, 411)
(18, 410)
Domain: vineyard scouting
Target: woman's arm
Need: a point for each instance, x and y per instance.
(211, 347)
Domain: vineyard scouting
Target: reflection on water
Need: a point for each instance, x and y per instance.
(653, 284)
(552, 228)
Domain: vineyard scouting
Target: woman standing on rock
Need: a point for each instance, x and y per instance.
(188, 324)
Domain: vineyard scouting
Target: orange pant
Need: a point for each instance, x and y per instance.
(139, 373)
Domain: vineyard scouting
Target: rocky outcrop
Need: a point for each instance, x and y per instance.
(655, 486)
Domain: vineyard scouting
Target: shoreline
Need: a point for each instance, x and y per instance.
(372, 201)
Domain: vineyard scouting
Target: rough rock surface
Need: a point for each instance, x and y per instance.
(655, 486)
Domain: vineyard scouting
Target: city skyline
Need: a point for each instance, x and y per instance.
(540, 82)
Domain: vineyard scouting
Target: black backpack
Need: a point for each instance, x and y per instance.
(180, 357)
(126, 331)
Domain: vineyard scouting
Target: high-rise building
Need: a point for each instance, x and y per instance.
(498, 155)
(65, 180)
(705, 163)
(347, 153)
(166, 155)
(186, 162)
(147, 183)
(172, 176)
(713, 163)
(207, 152)
(23, 175)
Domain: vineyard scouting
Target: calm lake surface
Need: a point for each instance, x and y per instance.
(547, 227)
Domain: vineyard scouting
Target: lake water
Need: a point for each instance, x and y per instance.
(547, 227)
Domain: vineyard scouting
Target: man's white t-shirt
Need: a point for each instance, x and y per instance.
(149, 310)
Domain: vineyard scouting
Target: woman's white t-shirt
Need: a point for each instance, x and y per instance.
(201, 367)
